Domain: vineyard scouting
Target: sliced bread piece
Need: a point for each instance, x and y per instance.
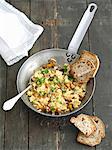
(82, 66)
(91, 57)
(92, 140)
(85, 67)
(100, 125)
(84, 123)
(82, 70)
(96, 136)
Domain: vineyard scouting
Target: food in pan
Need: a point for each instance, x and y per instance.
(58, 90)
(86, 123)
(54, 90)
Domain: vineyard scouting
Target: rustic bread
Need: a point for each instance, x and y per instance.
(100, 125)
(84, 123)
(96, 136)
(91, 57)
(85, 67)
(82, 70)
(92, 140)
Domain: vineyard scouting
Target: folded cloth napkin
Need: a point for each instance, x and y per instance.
(17, 33)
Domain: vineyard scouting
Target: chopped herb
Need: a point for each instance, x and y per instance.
(42, 93)
(45, 71)
(65, 68)
(34, 101)
(70, 78)
(56, 80)
(51, 79)
(57, 98)
(53, 89)
(40, 80)
(52, 108)
(60, 102)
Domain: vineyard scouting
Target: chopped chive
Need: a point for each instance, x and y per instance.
(57, 98)
(45, 71)
(52, 108)
(60, 102)
(51, 79)
(53, 89)
(70, 78)
(65, 68)
(42, 93)
(56, 80)
(40, 80)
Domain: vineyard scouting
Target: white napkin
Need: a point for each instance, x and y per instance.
(17, 33)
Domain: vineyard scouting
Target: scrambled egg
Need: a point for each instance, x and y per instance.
(54, 90)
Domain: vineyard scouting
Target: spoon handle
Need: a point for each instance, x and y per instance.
(11, 102)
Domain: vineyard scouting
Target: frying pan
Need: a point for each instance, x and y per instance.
(62, 56)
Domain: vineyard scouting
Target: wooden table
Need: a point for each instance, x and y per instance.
(23, 129)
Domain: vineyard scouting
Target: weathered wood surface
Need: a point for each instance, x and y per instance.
(16, 121)
(100, 43)
(23, 129)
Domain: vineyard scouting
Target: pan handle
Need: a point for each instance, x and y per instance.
(82, 28)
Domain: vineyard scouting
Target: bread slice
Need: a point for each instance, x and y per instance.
(96, 136)
(100, 125)
(82, 70)
(85, 67)
(84, 123)
(92, 140)
(91, 57)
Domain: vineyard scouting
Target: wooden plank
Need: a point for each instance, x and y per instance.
(70, 13)
(42, 134)
(100, 43)
(42, 13)
(3, 88)
(3, 72)
(16, 122)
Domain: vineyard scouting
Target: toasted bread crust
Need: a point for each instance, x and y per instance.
(100, 124)
(85, 67)
(84, 123)
(92, 57)
(93, 140)
(96, 136)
